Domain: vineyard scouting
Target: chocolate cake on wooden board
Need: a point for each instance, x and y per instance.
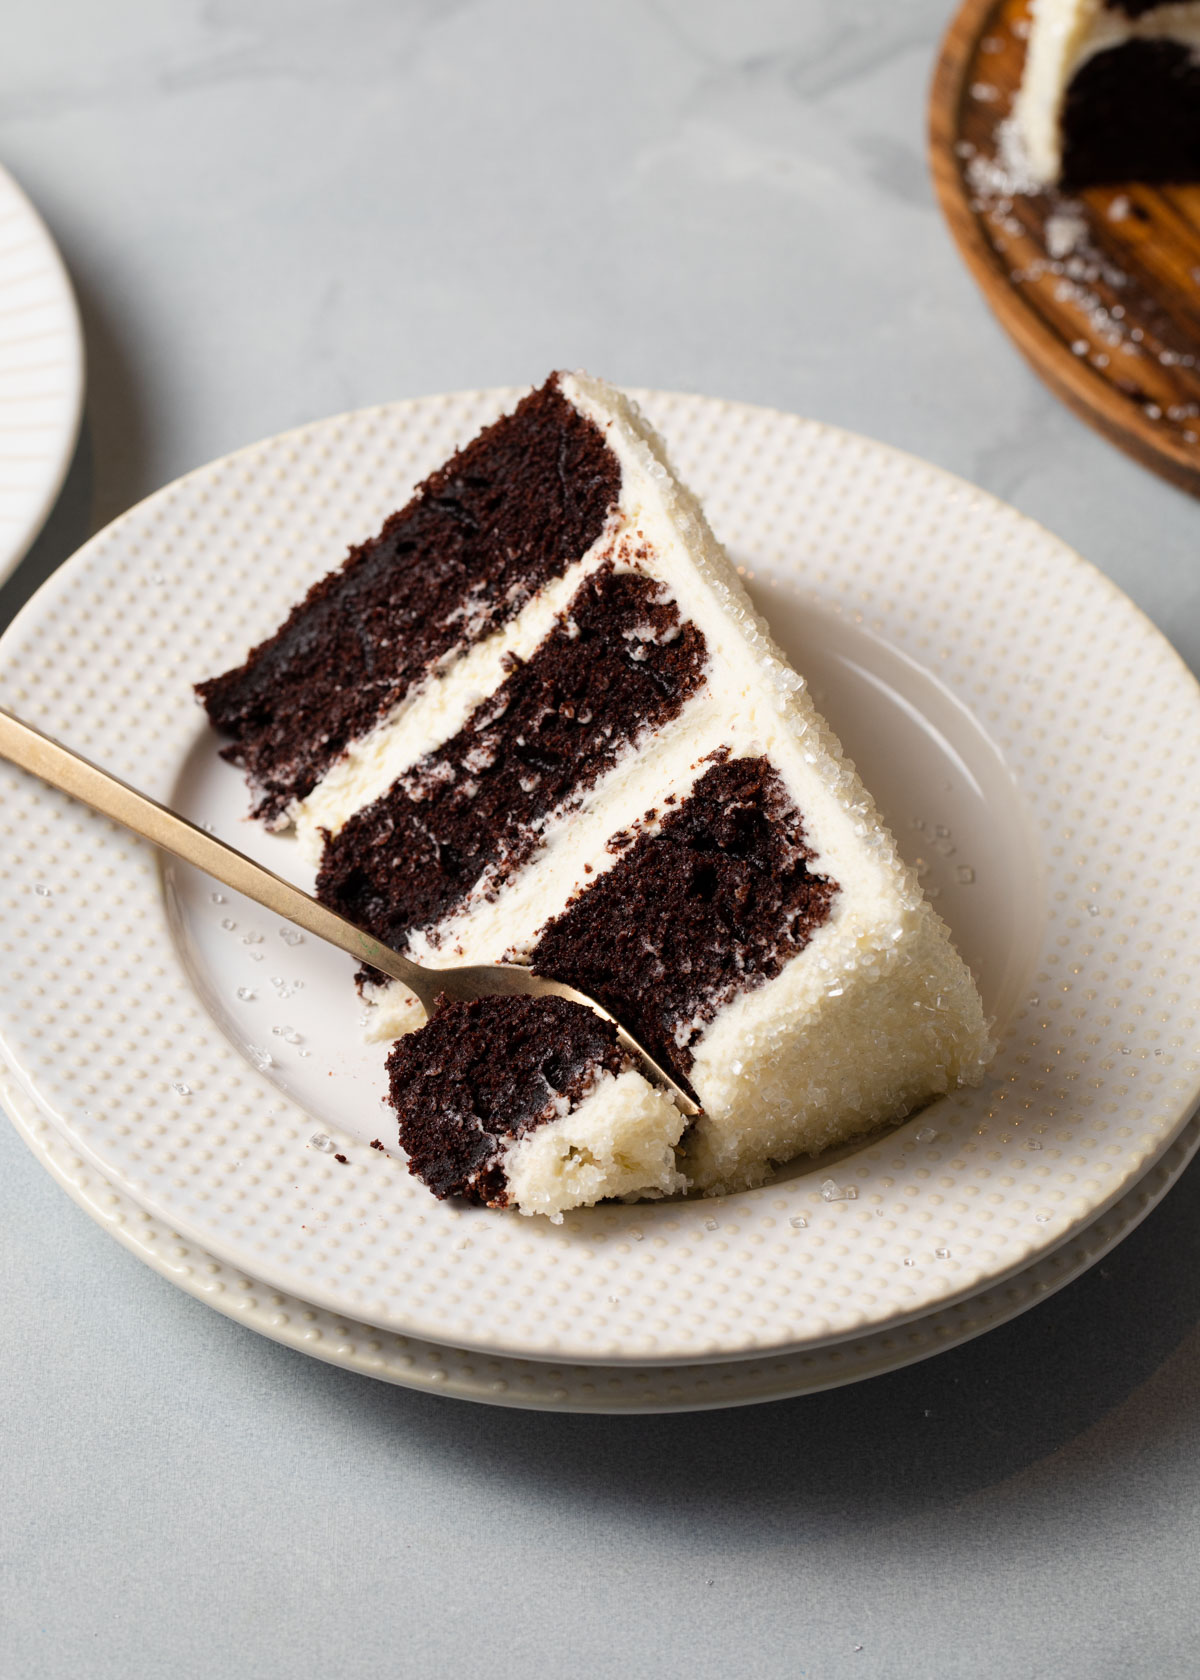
(1110, 92)
(538, 718)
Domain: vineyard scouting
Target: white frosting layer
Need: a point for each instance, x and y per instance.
(877, 1013)
(619, 1141)
(1065, 35)
(429, 716)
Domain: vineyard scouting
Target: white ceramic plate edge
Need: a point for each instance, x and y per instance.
(62, 447)
(493, 1379)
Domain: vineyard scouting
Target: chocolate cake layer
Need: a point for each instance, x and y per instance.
(481, 1074)
(714, 902)
(618, 664)
(512, 510)
(1131, 8)
(1132, 113)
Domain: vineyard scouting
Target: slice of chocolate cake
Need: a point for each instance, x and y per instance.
(1110, 92)
(569, 740)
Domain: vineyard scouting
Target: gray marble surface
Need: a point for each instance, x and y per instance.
(273, 209)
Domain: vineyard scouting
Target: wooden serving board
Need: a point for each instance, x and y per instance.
(1100, 290)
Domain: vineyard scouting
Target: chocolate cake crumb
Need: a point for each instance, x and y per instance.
(712, 903)
(514, 509)
(343, 1159)
(480, 1074)
(375, 1144)
(619, 662)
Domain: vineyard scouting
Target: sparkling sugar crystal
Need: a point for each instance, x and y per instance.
(832, 1191)
(262, 1059)
(319, 1141)
(180, 1089)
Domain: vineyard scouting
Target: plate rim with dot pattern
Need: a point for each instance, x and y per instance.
(537, 1385)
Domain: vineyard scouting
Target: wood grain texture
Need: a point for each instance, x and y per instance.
(1099, 290)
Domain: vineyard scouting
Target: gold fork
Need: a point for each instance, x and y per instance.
(30, 750)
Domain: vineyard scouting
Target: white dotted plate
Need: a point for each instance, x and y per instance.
(1036, 741)
(41, 373)
(546, 1386)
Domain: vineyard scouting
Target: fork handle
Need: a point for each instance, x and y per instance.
(48, 759)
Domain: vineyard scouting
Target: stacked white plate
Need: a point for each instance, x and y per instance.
(41, 374)
(192, 1071)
